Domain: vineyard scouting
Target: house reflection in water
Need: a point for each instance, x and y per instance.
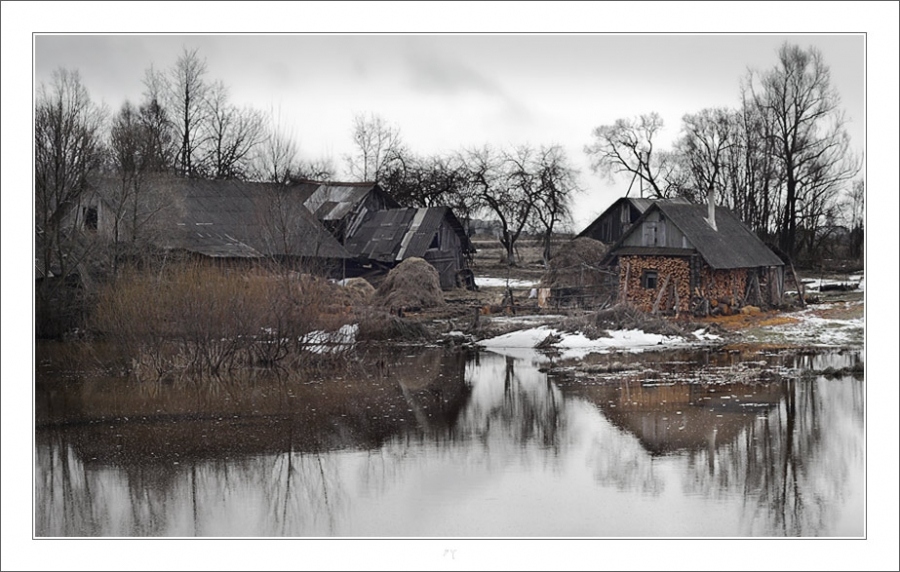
(682, 417)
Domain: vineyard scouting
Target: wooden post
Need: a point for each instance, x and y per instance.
(660, 295)
(625, 289)
(798, 284)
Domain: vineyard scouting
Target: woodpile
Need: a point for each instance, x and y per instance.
(672, 293)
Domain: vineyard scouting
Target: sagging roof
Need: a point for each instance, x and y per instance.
(730, 245)
(333, 201)
(236, 219)
(397, 234)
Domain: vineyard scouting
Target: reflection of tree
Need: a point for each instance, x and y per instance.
(793, 466)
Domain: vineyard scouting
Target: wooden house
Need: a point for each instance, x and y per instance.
(389, 237)
(343, 207)
(619, 217)
(680, 257)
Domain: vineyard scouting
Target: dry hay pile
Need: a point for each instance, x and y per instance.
(413, 284)
(575, 264)
(357, 291)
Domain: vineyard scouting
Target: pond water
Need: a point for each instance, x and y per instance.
(439, 442)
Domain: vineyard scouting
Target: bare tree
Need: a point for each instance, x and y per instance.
(277, 155)
(707, 135)
(812, 144)
(67, 150)
(187, 93)
(376, 144)
(134, 202)
(628, 147)
(503, 184)
(556, 181)
(232, 136)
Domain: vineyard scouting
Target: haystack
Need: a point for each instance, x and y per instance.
(357, 291)
(575, 265)
(414, 283)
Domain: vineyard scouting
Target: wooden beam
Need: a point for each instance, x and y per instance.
(659, 296)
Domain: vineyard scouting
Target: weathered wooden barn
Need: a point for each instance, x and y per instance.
(619, 217)
(389, 237)
(234, 219)
(226, 221)
(343, 207)
(679, 258)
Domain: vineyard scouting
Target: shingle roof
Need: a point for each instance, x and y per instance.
(235, 219)
(730, 245)
(397, 234)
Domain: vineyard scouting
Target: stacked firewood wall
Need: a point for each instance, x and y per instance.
(673, 284)
(723, 287)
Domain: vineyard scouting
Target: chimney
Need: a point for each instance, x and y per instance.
(711, 200)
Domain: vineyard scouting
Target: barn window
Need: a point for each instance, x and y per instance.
(436, 241)
(90, 218)
(649, 278)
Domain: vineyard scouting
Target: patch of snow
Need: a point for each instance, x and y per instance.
(577, 345)
(329, 342)
(703, 334)
(491, 282)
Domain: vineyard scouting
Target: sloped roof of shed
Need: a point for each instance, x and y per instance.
(333, 201)
(397, 234)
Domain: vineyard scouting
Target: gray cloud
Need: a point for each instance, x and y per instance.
(430, 73)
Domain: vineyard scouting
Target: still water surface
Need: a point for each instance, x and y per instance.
(437, 442)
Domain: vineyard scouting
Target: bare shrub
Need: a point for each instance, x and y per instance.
(376, 324)
(621, 317)
(199, 319)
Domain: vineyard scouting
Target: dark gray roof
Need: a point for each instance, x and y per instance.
(235, 219)
(397, 234)
(730, 245)
(640, 204)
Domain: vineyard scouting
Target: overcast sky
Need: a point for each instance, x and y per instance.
(449, 92)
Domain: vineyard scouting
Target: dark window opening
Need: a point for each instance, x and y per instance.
(90, 218)
(436, 241)
(649, 279)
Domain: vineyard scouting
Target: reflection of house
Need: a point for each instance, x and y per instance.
(682, 257)
(389, 237)
(618, 218)
(682, 417)
(342, 207)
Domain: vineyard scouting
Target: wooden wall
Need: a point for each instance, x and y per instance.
(676, 291)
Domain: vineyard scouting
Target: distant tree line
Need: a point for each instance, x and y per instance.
(781, 159)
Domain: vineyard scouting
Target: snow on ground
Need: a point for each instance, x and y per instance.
(815, 285)
(490, 282)
(812, 329)
(576, 344)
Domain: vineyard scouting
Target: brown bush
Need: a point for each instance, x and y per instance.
(201, 319)
(414, 283)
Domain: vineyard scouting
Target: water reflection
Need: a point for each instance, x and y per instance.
(450, 443)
